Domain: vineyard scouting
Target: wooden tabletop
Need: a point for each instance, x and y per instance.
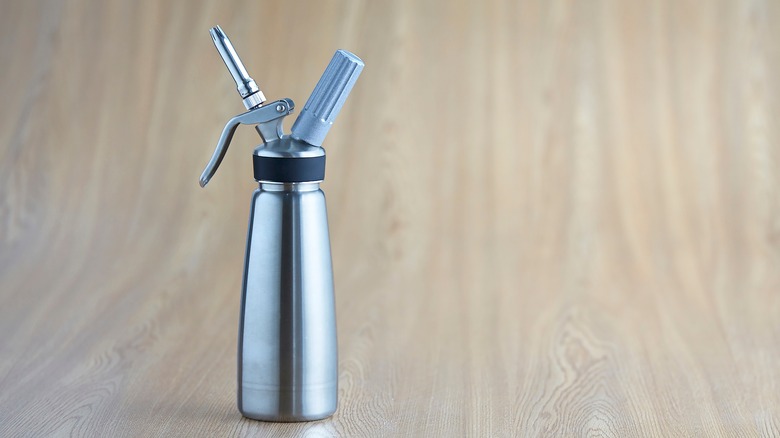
(547, 218)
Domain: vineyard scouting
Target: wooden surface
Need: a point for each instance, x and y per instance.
(547, 218)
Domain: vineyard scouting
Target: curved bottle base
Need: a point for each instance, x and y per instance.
(288, 405)
(278, 419)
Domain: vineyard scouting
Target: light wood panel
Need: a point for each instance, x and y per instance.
(548, 218)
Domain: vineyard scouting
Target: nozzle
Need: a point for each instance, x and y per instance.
(246, 86)
(328, 97)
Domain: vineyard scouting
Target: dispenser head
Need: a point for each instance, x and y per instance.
(328, 97)
(285, 158)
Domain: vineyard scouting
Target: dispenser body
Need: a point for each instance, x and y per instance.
(287, 352)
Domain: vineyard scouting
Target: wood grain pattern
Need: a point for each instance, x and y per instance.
(548, 218)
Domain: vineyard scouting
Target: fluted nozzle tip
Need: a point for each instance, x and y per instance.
(245, 85)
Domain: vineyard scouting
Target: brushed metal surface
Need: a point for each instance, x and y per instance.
(288, 365)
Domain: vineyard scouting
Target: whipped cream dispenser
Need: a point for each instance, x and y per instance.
(287, 353)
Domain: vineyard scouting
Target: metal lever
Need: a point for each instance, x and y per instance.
(246, 86)
(269, 124)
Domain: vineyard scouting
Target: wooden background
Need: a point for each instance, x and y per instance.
(555, 218)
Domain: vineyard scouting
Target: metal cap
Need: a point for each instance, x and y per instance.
(327, 98)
